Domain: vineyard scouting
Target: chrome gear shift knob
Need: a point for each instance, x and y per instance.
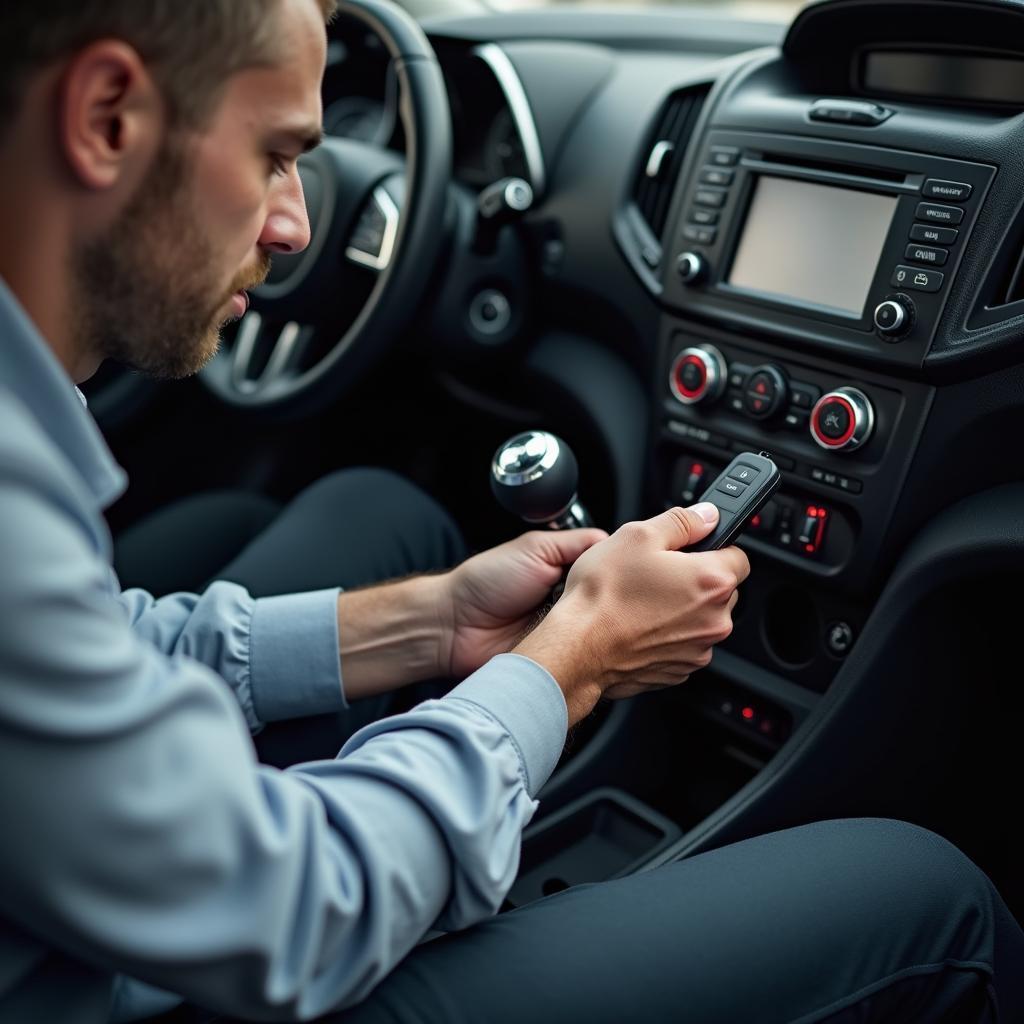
(535, 475)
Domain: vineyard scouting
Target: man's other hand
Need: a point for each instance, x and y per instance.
(494, 596)
(637, 612)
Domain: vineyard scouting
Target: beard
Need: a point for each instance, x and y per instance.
(143, 290)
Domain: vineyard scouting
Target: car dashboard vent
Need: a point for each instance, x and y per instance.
(1001, 296)
(664, 154)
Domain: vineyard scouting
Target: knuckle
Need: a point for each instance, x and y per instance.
(634, 532)
(718, 584)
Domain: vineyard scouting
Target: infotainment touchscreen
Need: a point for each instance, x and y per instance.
(811, 243)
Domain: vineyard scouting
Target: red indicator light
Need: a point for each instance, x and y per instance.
(810, 548)
(697, 468)
(756, 521)
(747, 713)
(812, 511)
(760, 387)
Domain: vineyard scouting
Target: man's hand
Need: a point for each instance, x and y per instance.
(637, 613)
(495, 595)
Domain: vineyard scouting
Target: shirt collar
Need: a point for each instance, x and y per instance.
(29, 368)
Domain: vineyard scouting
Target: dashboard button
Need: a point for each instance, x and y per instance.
(926, 254)
(803, 396)
(939, 214)
(716, 176)
(713, 197)
(724, 156)
(699, 233)
(766, 391)
(933, 236)
(698, 215)
(951, 191)
(917, 279)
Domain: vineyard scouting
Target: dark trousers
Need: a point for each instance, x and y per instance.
(855, 920)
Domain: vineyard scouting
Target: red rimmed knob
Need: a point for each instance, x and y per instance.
(842, 420)
(698, 374)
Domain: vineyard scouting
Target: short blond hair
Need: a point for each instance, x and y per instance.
(192, 47)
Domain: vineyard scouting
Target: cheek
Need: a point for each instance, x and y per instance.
(235, 200)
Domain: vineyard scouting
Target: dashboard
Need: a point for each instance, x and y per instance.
(806, 240)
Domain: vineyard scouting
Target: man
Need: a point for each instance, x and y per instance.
(148, 160)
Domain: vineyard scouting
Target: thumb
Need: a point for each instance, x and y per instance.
(563, 547)
(680, 527)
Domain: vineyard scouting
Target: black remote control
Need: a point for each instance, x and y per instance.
(739, 493)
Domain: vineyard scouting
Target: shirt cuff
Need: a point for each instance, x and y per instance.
(294, 661)
(526, 701)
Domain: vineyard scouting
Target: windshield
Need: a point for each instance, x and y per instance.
(759, 10)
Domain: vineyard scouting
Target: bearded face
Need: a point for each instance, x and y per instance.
(153, 293)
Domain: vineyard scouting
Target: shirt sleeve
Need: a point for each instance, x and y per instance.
(279, 655)
(142, 837)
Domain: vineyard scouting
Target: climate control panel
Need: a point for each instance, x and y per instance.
(842, 437)
(841, 420)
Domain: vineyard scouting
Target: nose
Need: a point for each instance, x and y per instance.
(286, 229)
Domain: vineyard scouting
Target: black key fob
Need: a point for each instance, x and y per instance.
(739, 493)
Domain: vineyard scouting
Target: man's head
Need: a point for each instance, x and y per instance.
(157, 141)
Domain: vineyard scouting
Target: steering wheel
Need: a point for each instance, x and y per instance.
(369, 212)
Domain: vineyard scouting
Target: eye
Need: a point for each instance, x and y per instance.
(280, 164)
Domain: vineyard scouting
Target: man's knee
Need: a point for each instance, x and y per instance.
(379, 491)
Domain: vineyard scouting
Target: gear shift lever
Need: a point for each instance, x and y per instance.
(535, 476)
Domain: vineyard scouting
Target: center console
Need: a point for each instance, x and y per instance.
(805, 278)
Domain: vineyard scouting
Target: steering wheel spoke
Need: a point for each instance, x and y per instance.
(251, 373)
(373, 242)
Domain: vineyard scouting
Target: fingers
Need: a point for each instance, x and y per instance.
(680, 527)
(563, 547)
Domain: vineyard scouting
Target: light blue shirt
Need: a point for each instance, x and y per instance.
(141, 837)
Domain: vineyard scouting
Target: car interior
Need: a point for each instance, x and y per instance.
(669, 235)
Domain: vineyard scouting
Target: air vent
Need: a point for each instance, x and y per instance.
(1001, 297)
(663, 156)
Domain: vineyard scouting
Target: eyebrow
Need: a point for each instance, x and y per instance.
(308, 138)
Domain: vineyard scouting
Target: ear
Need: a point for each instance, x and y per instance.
(111, 114)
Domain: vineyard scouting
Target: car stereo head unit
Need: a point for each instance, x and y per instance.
(850, 246)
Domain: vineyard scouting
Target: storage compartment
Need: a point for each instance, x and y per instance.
(602, 835)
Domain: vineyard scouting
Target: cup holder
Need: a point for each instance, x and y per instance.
(791, 626)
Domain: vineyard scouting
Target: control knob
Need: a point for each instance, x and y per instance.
(894, 316)
(691, 267)
(765, 392)
(698, 374)
(842, 420)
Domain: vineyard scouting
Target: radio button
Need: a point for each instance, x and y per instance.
(916, 278)
(698, 233)
(933, 236)
(713, 197)
(724, 156)
(701, 216)
(716, 176)
(926, 254)
(939, 214)
(952, 191)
